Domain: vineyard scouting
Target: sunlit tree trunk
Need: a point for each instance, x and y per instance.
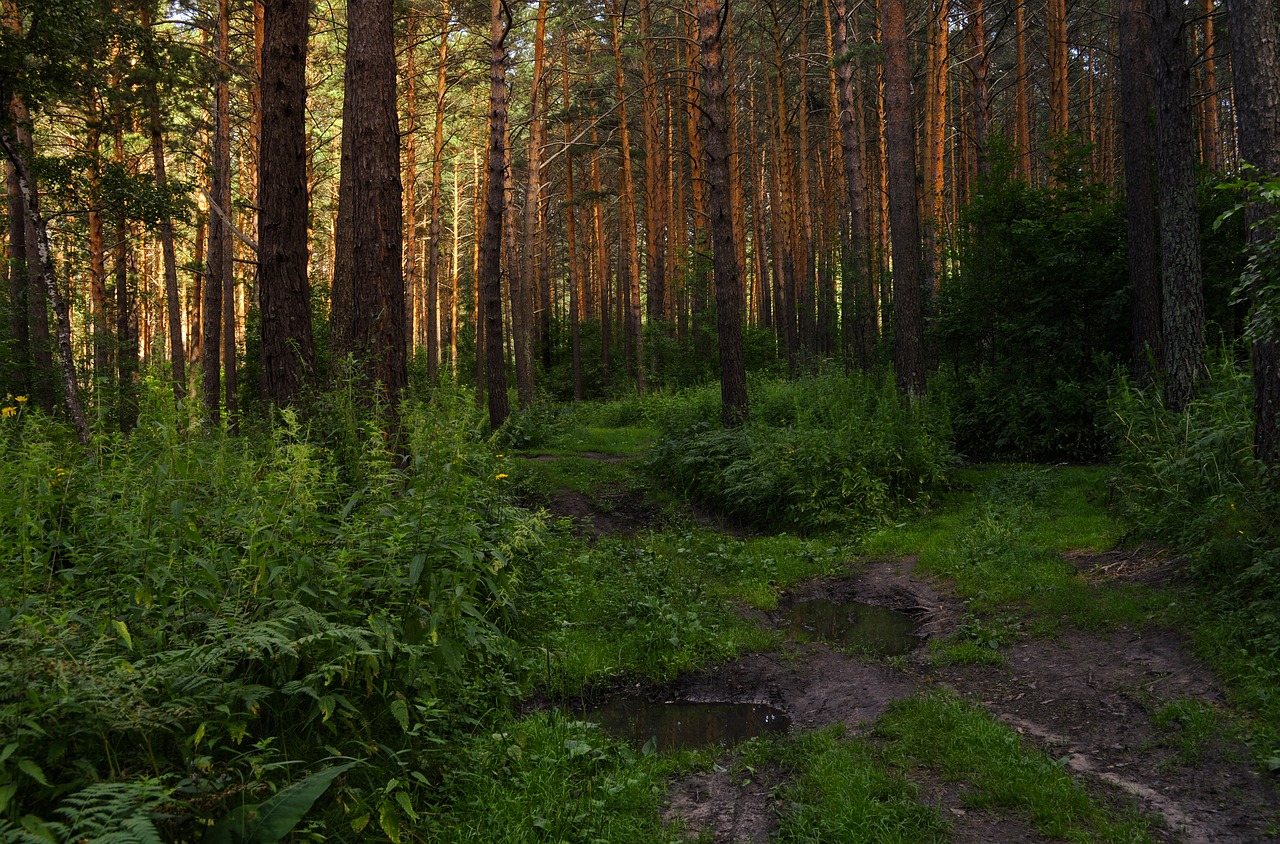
(419, 313)
(97, 258)
(531, 265)
(1056, 23)
(629, 260)
(433, 231)
(655, 206)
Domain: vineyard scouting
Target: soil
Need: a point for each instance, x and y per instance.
(1086, 698)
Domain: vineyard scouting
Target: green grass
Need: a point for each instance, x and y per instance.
(1000, 536)
(965, 744)
(841, 792)
(627, 441)
(551, 778)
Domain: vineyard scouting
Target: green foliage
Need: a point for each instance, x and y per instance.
(215, 611)
(1035, 320)
(823, 452)
(1258, 282)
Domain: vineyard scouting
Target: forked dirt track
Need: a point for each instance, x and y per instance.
(1085, 699)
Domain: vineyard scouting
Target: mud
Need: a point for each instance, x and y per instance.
(616, 512)
(1085, 698)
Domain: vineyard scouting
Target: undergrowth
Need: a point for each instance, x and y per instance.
(821, 453)
(1191, 481)
(208, 617)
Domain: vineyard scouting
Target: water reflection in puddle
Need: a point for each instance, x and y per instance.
(681, 725)
(876, 630)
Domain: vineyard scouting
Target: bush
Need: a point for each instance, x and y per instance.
(1035, 321)
(210, 615)
(818, 453)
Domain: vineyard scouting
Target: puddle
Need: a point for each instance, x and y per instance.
(680, 725)
(875, 630)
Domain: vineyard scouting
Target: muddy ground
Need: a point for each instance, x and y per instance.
(1083, 697)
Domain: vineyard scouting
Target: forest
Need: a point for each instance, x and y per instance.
(640, 420)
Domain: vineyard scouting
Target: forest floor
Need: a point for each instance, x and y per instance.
(1123, 708)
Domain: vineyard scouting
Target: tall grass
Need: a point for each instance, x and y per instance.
(1191, 481)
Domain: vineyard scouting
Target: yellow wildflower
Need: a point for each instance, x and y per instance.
(500, 475)
(20, 399)
(9, 411)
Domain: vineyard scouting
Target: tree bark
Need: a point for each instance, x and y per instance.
(630, 258)
(530, 265)
(1183, 299)
(219, 252)
(857, 298)
(712, 19)
(908, 326)
(288, 350)
(490, 275)
(1137, 98)
(433, 230)
(368, 311)
(44, 268)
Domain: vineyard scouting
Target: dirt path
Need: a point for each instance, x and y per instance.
(1085, 698)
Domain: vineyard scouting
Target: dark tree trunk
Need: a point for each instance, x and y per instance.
(1137, 100)
(904, 214)
(1255, 55)
(21, 363)
(284, 293)
(173, 301)
(368, 310)
(219, 253)
(43, 269)
(490, 276)
(855, 291)
(1183, 300)
(433, 231)
(724, 240)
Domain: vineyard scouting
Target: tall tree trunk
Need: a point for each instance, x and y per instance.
(418, 312)
(979, 71)
(1180, 270)
(288, 350)
(44, 268)
(655, 211)
(1022, 91)
(857, 298)
(1056, 22)
(630, 258)
(712, 19)
(368, 286)
(908, 325)
(433, 231)
(1211, 142)
(1255, 51)
(490, 275)
(530, 265)
(571, 235)
(97, 259)
(126, 337)
(18, 286)
(219, 253)
(173, 300)
(1137, 98)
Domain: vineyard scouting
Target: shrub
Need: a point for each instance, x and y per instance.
(820, 452)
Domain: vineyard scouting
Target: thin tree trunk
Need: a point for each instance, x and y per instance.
(655, 210)
(856, 294)
(1022, 91)
(97, 259)
(629, 260)
(530, 265)
(433, 234)
(418, 311)
(490, 276)
(1056, 22)
(571, 235)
